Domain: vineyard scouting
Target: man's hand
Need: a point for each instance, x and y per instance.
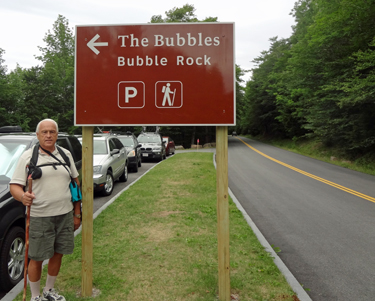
(77, 211)
(27, 198)
(77, 223)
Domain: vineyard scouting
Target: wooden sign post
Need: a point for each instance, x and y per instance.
(222, 211)
(87, 209)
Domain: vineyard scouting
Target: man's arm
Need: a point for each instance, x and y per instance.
(25, 198)
(77, 210)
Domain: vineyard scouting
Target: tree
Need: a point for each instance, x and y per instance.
(26, 96)
(357, 92)
(11, 94)
(57, 74)
(240, 103)
(326, 60)
(17, 87)
(320, 81)
(3, 90)
(264, 112)
(36, 105)
(182, 14)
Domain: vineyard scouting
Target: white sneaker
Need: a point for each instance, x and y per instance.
(52, 295)
(38, 298)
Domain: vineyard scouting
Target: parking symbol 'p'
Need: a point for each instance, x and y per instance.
(131, 95)
(130, 92)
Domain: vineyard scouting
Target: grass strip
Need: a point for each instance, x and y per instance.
(316, 149)
(158, 241)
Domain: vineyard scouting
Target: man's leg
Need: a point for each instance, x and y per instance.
(54, 265)
(63, 244)
(35, 273)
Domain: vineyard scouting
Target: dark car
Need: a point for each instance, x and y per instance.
(12, 212)
(170, 148)
(152, 146)
(134, 150)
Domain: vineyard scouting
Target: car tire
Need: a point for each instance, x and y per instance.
(135, 168)
(125, 175)
(109, 183)
(12, 261)
(139, 162)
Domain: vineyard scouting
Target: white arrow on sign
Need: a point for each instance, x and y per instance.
(92, 44)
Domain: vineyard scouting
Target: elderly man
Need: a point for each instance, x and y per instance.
(53, 216)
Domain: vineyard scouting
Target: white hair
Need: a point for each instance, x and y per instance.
(47, 119)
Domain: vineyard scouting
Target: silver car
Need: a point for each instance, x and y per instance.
(110, 163)
(152, 146)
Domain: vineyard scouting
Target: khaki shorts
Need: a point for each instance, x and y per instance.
(48, 235)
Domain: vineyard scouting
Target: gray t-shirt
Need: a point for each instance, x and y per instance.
(52, 193)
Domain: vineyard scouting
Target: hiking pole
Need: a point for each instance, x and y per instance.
(30, 181)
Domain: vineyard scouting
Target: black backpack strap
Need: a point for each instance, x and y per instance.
(35, 155)
(63, 155)
(53, 156)
(35, 170)
(34, 159)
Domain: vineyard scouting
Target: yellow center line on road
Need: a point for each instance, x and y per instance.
(343, 188)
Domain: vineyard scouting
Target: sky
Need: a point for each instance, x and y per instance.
(24, 23)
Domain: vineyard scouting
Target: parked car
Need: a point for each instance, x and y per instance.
(133, 148)
(170, 148)
(152, 146)
(110, 162)
(12, 212)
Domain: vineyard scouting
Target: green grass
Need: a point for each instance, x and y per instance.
(158, 241)
(315, 149)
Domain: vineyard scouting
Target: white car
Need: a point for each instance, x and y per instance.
(110, 163)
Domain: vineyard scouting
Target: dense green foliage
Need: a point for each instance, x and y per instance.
(30, 95)
(320, 81)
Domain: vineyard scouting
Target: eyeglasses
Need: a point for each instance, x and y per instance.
(45, 132)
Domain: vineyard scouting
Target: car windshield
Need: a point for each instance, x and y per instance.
(10, 151)
(148, 139)
(127, 141)
(100, 147)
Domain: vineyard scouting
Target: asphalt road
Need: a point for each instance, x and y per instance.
(326, 235)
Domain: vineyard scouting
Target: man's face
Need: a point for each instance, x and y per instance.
(47, 135)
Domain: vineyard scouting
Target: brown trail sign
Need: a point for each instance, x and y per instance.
(156, 74)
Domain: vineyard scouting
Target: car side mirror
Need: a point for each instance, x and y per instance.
(139, 145)
(115, 151)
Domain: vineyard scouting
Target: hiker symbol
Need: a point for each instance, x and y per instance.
(168, 94)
